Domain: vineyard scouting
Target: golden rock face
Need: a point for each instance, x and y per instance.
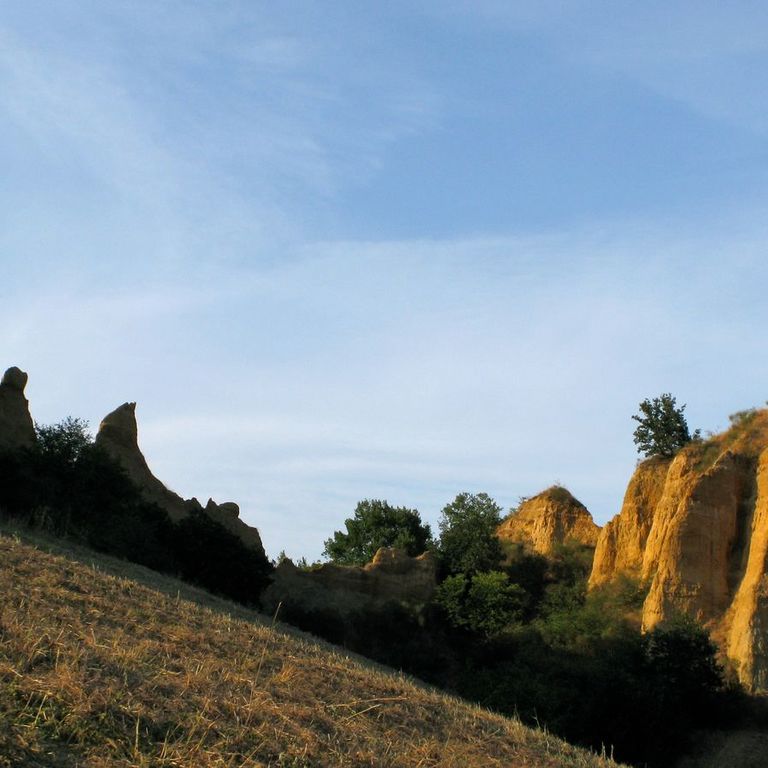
(549, 519)
(621, 543)
(695, 528)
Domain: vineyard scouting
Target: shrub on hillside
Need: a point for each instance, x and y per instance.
(485, 603)
(71, 487)
(531, 571)
(209, 555)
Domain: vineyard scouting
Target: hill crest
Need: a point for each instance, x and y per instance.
(110, 664)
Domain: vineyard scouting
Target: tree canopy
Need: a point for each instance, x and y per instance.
(486, 603)
(662, 429)
(377, 524)
(468, 541)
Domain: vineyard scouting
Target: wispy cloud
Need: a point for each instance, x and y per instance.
(410, 370)
(175, 136)
(171, 233)
(705, 55)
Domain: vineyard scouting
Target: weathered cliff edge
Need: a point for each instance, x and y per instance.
(16, 427)
(549, 519)
(118, 436)
(695, 529)
(392, 576)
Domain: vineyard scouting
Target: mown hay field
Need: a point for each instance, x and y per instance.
(103, 663)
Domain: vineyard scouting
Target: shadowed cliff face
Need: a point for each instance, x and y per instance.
(390, 576)
(748, 632)
(16, 427)
(695, 529)
(118, 435)
(549, 519)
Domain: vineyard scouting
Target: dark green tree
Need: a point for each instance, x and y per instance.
(662, 429)
(377, 524)
(486, 604)
(208, 554)
(468, 541)
(66, 441)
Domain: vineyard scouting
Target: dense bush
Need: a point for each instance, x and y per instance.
(209, 555)
(468, 541)
(485, 603)
(69, 486)
(378, 524)
(527, 638)
(327, 623)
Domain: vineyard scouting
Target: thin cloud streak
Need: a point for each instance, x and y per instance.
(179, 226)
(382, 369)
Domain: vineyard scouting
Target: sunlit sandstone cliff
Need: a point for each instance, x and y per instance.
(549, 519)
(695, 528)
(621, 543)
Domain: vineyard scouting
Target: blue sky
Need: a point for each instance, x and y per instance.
(384, 250)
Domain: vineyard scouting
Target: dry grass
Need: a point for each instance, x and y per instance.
(107, 664)
(747, 435)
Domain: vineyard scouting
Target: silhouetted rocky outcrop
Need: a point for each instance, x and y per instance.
(17, 429)
(118, 436)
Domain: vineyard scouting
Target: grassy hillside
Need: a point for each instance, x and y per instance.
(107, 664)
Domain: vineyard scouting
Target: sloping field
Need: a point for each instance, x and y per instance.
(107, 664)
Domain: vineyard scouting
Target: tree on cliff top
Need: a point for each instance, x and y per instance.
(377, 524)
(662, 429)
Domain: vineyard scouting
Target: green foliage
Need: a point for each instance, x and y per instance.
(487, 603)
(571, 563)
(377, 524)
(682, 656)
(531, 571)
(592, 677)
(662, 429)
(65, 441)
(528, 639)
(450, 595)
(324, 622)
(207, 554)
(71, 487)
(572, 619)
(468, 541)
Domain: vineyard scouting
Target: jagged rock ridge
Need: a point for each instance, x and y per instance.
(695, 529)
(17, 429)
(118, 435)
(551, 518)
